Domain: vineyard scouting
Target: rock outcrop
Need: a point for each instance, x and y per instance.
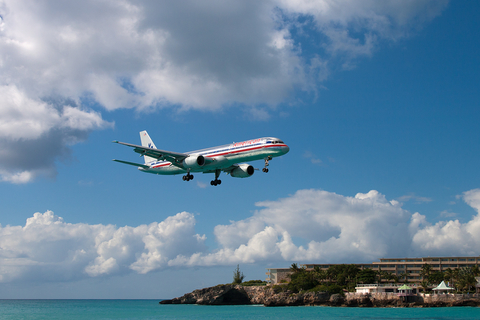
(219, 295)
(273, 296)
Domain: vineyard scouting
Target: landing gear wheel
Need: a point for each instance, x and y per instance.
(215, 182)
(187, 177)
(265, 170)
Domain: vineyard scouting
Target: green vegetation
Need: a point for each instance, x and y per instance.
(252, 283)
(366, 276)
(436, 277)
(333, 280)
(330, 288)
(462, 279)
(340, 278)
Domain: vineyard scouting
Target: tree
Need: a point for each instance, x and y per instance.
(436, 277)
(320, 274)
(448, 276)
(476, 270)
(456, 278)
(466, 279)
(238, 276)
(345, 275)
(426, 270)
(424, 284)
(366, 276)
(301, 279)
(382, 275)
(294, 268)
(389, 276)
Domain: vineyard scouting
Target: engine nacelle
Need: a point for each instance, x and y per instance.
(192, 162)
(243, 171)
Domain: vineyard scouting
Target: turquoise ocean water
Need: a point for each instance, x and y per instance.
(150, 309)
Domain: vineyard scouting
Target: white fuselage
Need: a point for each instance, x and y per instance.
(225, 156)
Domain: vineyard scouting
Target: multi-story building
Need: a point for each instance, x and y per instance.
(407, 268)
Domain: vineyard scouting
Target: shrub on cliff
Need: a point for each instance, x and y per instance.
(252, 283)
(279, 288)
(329, 288)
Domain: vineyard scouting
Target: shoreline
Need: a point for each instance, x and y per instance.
(271, 297)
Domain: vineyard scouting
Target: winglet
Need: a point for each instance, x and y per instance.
(115, 141)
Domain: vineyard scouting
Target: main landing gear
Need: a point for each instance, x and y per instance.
(265, 169)
(187, 177)
(216, 181)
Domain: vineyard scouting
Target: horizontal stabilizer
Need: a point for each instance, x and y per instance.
(174, 157)
(133, 164)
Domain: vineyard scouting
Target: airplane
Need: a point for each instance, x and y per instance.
(212, 160)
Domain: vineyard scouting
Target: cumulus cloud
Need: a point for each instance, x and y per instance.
(333, 227)
(308, 226)
(48, 248)
(146, 55)
(354, 28)
(44, 129)
(449, 237)
(320, 226)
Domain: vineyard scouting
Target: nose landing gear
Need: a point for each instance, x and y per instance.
(267, 159)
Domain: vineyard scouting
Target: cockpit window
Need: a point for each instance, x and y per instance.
(275, 141)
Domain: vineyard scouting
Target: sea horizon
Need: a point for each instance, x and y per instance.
(151, 309)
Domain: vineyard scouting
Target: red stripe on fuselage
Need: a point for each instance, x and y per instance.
(228, 153)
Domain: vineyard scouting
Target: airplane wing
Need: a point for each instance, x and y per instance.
(174, 157)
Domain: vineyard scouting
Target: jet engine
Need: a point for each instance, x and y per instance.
(242, 171)
(192, 162)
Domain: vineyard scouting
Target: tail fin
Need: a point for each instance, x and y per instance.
(147, 142)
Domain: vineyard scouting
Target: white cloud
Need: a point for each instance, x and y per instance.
(49, 249)
(313, 158)
(334, 227)
(201, 55)
(309, 226)
(320, 226)
(452, 237)
(29, 126)
(415, 198)
(355, 28)
(472, 198)
(204, 55)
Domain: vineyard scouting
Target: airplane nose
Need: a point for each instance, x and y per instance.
(286, 149)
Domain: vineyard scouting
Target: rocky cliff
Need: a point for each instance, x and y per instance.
(271, 296)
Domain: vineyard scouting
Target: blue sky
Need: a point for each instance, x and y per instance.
(377, 100)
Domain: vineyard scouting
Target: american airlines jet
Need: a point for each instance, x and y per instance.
(212, 160)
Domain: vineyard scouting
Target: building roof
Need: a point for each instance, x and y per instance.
(442, 286)
(404, 287)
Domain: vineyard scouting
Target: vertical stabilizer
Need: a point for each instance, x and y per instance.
(147, 142)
